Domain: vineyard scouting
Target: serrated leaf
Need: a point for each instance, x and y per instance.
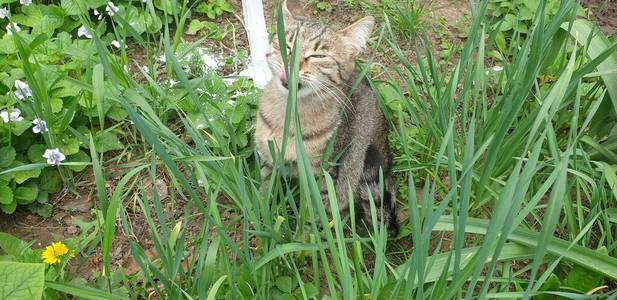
(56, 104)
(20, 281)
(26, 194)
(22, 176)
(79, 157)
(7, 156)
(42, 197)
(11, 245)
(582, 279)
(9, 208)
(105, 141)
(195, 26)
(42, 209)
(284, 283)
(20, 127)
(6, 194)
(35, 153)
(73, 7)
(69, 146)
(50, 180)
(117, 113)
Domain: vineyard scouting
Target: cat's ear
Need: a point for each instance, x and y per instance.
(357, 34)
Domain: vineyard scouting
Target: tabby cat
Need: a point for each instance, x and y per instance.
(327, 72)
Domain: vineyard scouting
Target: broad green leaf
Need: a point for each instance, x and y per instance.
(7, 156)
(80, 156)
(12, 246)
(20, 127)
(56, 104)
(69, 146)
(22, 176)
(26, 194)
(42, 209)
(587, 258)
(105, 141)
(582, 279)
(116, 113)
(35, 153)
(6, 194)
(195, 26)
(19, 281)
(73, 7)
(50, 180)
(82, 291)
(9, 208)
(284, 283)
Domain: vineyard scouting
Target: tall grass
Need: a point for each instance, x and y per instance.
(496, 172)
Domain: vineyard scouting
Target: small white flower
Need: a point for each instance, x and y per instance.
(83, 32)
(231, 102)
(209, 61)
(497, 68)
(111, 9)
(25, 2)
(145, 69)
(54, 156)
(229, 81)
(173, 82)
(117, 44)
(4, 13)
(40, 126)
(162, 58)
(200, 182)
(98, 14)
(22, 90)
(200, 126)
(12, 28)
(14, 115)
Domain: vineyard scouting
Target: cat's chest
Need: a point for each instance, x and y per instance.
(318, 121)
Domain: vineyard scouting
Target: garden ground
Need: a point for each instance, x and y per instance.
(444, 17)
(445, 22)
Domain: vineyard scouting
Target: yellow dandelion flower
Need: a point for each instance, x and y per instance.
(52, 253)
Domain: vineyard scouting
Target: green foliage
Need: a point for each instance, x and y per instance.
(71, 114)
(516, 17)
(321, 5)
(214, 8)
(491, 162)
(21, 280)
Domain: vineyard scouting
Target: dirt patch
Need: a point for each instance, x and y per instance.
(604, 14)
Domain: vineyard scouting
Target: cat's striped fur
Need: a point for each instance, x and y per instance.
(327, 72)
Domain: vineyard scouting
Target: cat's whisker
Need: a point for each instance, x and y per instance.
(338, 96)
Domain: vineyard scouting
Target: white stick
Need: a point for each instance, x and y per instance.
(255, 24)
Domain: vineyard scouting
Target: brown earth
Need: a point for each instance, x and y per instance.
(604, 13)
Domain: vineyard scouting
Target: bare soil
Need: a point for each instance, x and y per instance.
(604, 13)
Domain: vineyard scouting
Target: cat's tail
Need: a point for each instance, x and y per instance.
(374, 164)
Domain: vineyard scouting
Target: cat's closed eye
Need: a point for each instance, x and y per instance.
(317, 56)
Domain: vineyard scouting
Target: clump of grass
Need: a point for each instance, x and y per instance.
(499, 154)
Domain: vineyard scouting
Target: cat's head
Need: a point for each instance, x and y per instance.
(326, 56)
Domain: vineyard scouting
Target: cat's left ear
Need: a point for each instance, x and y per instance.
(357, 34)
